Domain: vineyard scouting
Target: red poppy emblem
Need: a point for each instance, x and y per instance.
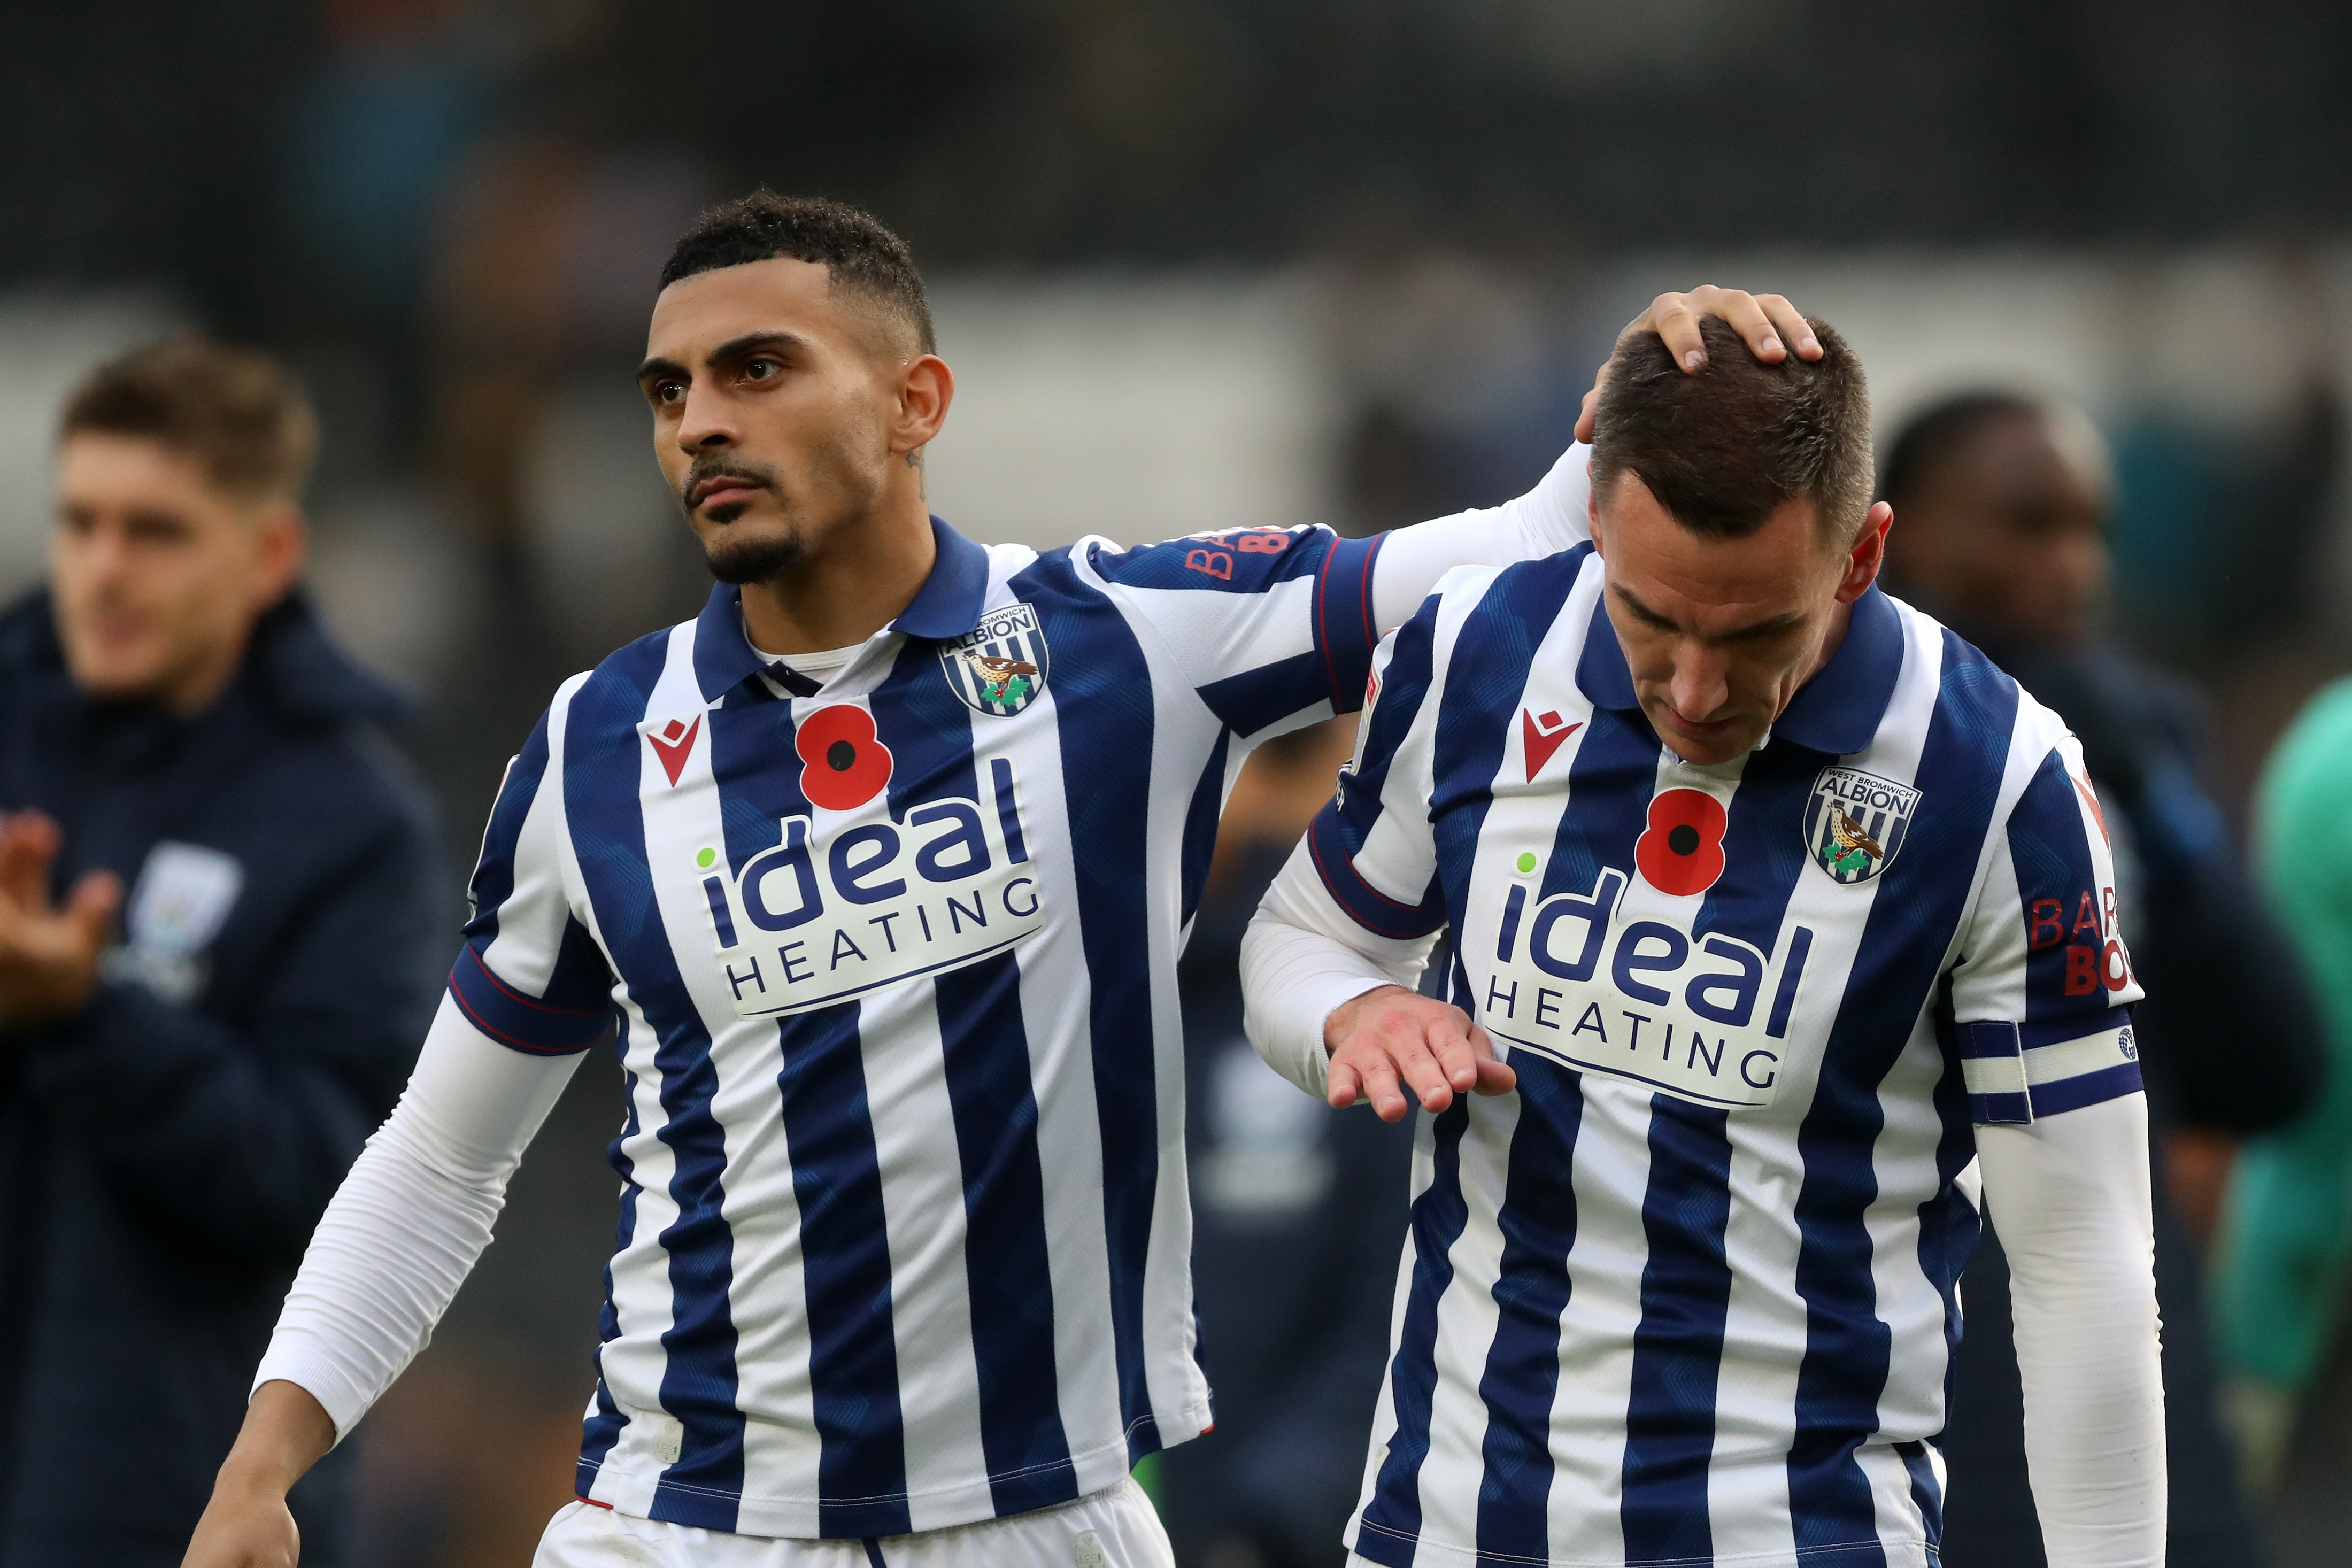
(843, 763)
(1682, 853)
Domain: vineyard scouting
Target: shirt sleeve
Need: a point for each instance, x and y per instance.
(1371, 846)
(1276, 628)
(529, 975)
(2041, 998)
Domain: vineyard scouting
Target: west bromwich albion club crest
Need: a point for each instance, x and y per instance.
(1855, 821)
(999, 666)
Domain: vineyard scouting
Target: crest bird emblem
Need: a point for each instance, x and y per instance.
(1000, 666)
(997, 676)
(1851, 839)
(1855, 822)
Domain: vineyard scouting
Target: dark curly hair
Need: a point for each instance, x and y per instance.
(855, 247)
(1725, 446)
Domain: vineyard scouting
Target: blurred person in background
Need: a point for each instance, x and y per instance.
(2288, 1236)
(1298, 1210)
(2001, 505)
(220, 913)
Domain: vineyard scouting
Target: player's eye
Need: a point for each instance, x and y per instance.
(668, 394)
(761, 370)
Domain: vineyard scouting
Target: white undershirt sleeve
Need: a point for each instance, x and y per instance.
(1546, 520)
(2070, 1196)
(1302, 956)
(411, 1218)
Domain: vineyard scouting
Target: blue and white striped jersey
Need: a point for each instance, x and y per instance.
(903, 1239)
(1687, 1296)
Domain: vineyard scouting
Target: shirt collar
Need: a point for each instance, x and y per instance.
(1837, 712)
(947, 605)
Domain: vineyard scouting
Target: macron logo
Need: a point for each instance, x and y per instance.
(1543, 733)
(674, 743)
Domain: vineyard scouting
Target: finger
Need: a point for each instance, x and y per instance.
(1496, 1077)
(1389, 1102)
(1340, 1086)
(1675, 318)
(1738, 307)
(26, 851)
(1792, 326)
(1418, 1066)
(1591, 407)
(1449, 1041)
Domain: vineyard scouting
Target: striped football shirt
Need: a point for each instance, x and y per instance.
(1688, 1296)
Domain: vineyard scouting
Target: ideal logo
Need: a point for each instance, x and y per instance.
(1000, 665)
(1704, 1017)
(819, 919)
(1855, 822)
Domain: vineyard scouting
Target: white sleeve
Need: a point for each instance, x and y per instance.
(2069, 1196)
(1302, 956)
(1546, 520)
(410, 1219)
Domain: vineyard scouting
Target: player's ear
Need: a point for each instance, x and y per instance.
(1868, 556)
(926, 387)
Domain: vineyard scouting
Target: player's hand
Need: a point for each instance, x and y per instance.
(1390, 1040)
(48, 956)
(1767, 321)
(245, 1526)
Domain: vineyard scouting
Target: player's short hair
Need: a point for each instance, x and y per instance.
(860, 253)
(238, 413)
(1724, 447)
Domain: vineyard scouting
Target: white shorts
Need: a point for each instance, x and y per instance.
(1113, 1528)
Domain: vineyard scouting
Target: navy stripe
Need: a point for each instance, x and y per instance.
(1948, 1225)
(1921, 900)
(1261, 699)
(1751, 905)
(604, 1424)
(493, 879)
(1926, 1495)
(1610, 788)
(1538, 1221)
(2052, 853)
(846, 1273)
(1005, 1260)
(1438, 1216)
(525, 1023)
(2087, 1088)
(1201, 828)
(1340, 829)
(1346, 632)
(1103, 708)
(1678, 1345)
(601, 768)
(1220, 563)
(1328, 846)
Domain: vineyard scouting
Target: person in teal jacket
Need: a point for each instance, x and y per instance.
(2288, 1235)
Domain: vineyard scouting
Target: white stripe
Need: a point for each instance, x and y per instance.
(2047, 1064)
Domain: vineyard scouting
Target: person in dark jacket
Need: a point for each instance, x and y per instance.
(1297, 1213)
(2001, 510)
(221, 919)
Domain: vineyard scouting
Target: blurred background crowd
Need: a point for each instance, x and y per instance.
(1231, 263)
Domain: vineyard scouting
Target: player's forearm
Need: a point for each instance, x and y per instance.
(1301, 959)
(1548, 519)
(411, 1219)
(2070, 1195)
(286, 1431)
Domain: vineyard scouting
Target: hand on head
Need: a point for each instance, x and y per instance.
(1390, 1040)
(1768, 322)
(48, 954)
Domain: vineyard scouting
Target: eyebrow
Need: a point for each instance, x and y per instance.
(1738, 633)
(733, 348)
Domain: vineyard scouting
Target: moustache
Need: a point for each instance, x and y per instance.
(704, 470)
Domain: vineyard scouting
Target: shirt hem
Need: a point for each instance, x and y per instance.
(1394, 1548)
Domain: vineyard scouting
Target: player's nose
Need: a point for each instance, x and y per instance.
(706, 423)
(1700, 687)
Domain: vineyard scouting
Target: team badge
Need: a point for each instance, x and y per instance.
(999, 666)
(1855, 821)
